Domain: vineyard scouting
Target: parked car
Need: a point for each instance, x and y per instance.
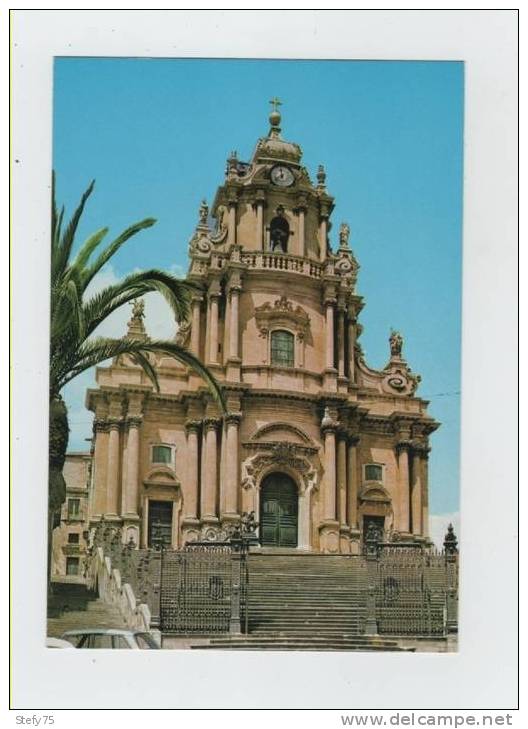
(110, 638)
(58, 643)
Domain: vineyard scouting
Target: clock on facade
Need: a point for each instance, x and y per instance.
(282, 176)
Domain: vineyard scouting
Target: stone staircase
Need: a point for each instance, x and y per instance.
(74, 607)
(305, 602)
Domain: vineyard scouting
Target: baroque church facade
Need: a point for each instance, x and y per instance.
(316, 443)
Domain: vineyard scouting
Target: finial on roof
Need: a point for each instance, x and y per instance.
(321, 177)
(275, 117)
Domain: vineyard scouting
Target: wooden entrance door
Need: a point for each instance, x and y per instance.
(278, 511)
(160, 523)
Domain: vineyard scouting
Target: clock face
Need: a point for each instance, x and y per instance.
(282, 176)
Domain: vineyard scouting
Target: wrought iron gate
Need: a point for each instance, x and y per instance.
(410, 592)
(197, 589)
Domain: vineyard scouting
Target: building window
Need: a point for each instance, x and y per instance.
(282, 348)
(74, 508)
(162, 454)
(72, 565)
(73, 538)
(373, 472)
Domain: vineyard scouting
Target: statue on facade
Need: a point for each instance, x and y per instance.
(344, 234)
(138, 310)
(396, 343)
(203, 212)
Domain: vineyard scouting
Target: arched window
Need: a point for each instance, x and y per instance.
(279, 234)
(282, 343)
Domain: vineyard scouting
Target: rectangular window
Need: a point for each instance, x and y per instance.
(73, 538)
(74, 508)
(72, 565)
(282, 348)
(162, 454)
(373, 472)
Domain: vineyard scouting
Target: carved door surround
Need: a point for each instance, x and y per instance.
(296, 460)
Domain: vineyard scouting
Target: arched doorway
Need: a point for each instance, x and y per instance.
(278, 511)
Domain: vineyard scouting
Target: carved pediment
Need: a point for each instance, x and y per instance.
(375, 493)
(281, 432)
(161, 475)
(282, 313)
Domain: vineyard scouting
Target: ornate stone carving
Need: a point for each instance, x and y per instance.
(277, 455)
(220, 232)
(282, 313)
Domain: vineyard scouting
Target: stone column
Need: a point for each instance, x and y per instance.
(425, 492)
(402, 449)
(342, 515)
(352, 321)
(233, 324)
(214, 295)
(341, 341)
(196, 305)
(231, 220)
(329, 496)
(210, 470)
(100, 464)
(232, 466)
(190, 505)
(233, 360)
(301, 212)
(329, 306)
(112, 470)
(131, 495)
(352, 468)
(416, 493)
(323, 230)
(329, 527)
(259, 208)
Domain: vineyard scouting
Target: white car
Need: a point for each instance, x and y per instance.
(58, 643)
(110, 638)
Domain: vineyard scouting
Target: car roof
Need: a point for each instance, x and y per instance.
(102, 631)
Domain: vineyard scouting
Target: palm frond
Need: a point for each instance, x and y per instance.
(176, 293)
(63, 250)
(114, 247)
(88, 248)
(100, 349)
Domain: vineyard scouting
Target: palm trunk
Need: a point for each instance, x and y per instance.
(58, 444)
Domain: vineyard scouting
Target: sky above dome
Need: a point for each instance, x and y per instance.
(155, 135)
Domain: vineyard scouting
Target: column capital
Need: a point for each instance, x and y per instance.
(232, 196)
(421, 449)
(114, 423)
(342, 433)
(100, 425)
(403, 445)
(214, 289)
(134, 421)
(233, 418)
(259, 198)
(211, 424)
(353, 438)
(192, 426)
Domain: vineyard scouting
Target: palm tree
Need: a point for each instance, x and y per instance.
(76, 315)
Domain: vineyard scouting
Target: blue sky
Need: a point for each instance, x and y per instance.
(155, 135)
